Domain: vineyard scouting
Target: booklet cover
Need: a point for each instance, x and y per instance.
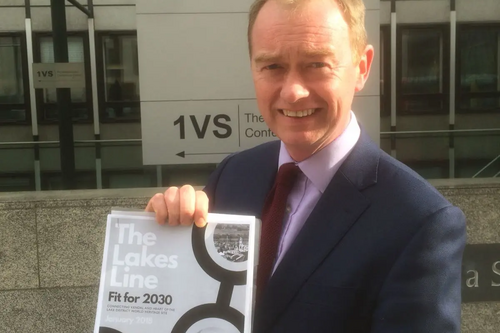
(156, 278)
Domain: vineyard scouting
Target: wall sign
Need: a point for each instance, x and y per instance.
(59, 75)
(481, 273)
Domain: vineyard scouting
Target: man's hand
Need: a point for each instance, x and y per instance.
(180, 206)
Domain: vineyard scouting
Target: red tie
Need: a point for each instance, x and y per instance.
(272, 221)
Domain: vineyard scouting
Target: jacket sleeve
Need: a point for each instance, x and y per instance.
(422, 292)
(211, 186)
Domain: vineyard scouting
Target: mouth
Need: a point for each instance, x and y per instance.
(297, 114)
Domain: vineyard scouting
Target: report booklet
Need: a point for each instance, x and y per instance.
(157, 278)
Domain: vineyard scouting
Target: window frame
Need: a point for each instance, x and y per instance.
(88, 79)
(23, 175)
(444, 96)
(48, 178)
(101, 80)
(26, 84)
(461, 27)
(108, 173)
(385, 70)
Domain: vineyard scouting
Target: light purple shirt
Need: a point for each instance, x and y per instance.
(317, 172)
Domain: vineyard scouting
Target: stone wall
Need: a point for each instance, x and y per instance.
(51, 247)
(481, 205)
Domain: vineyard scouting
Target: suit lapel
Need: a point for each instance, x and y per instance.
(335, 213)
(254, 178)
(264, 174)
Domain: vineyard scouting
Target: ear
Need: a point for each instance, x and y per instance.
(364, 65)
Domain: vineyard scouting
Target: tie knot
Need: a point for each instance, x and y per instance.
(287, 173)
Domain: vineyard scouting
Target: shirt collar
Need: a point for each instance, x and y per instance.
(322, 166)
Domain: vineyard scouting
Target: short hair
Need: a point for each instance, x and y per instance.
(353, 12)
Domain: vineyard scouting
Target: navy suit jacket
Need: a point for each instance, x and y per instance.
(380, 252)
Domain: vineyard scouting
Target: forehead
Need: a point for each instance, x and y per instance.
(309, 27)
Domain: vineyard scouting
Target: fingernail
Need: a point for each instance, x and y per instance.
(201, 222)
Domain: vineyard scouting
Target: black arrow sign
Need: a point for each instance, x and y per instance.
(183, 154)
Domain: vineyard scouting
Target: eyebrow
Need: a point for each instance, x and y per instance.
(314, 52)
(267, 57)
(309, 53)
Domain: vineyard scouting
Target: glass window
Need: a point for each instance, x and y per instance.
(479, 69)
(422, 62)
(422, 73)
(12, 90)
(76, 53)
(121, 77)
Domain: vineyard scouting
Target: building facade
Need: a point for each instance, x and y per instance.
(439, 65)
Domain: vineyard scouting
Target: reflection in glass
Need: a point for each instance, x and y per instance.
(477, 154)
(422, 71)
(11, 76)
(427, 155)
(480, 68)
(421, 85)
(121, 76)
(11, 80)
(75, 54)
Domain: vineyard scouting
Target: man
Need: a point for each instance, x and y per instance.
(367, 245)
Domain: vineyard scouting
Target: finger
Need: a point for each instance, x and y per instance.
(201, 209)
(157, 205)
(172, 203)
(187, 204)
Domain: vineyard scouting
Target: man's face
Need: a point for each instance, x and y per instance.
(304, 74)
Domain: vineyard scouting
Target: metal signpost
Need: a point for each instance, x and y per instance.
(63, 76)
(64, 110)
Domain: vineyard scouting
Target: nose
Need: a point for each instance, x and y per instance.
(294, 88)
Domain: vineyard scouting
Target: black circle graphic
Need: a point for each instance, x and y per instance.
(209, 265)
(103, 329)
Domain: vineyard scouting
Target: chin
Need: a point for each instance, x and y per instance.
(304, 144)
